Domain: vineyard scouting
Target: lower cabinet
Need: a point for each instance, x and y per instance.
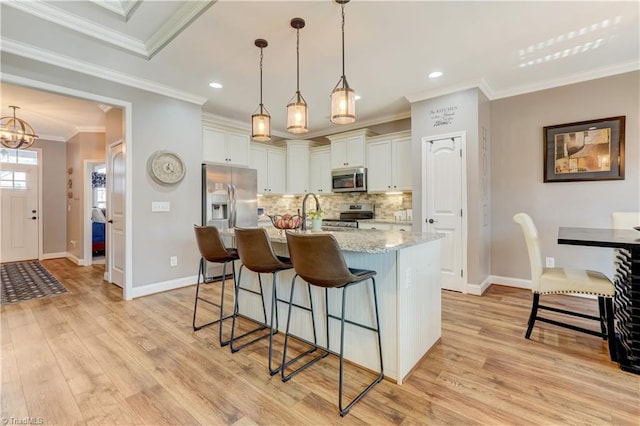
(385, 226)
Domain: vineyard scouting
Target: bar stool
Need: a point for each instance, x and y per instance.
(257, 255)
(212, 249)
(318, 260)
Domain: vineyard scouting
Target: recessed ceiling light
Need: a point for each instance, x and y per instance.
(435, 74)
(216, 85)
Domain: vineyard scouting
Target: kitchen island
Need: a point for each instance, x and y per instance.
(408, 286)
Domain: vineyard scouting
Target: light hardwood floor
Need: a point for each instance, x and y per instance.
(88, 357)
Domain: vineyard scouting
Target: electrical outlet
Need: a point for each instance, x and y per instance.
(73, 243)
(173, 261)
(550, 262)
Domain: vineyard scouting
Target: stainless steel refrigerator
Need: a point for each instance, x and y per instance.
(229, 200)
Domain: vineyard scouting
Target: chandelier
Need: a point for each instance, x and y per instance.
(16, 133)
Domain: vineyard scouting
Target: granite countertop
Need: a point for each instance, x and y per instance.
(362, 240)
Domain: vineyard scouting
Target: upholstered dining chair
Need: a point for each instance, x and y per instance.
(545, 281)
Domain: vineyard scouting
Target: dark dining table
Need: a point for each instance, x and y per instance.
(627, 284)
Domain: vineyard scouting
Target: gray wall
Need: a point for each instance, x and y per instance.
(53, 212)
(517, 173)
(471, 112)
(158, 122)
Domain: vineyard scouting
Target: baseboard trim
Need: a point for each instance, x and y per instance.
(149, 289)
(478, 289)
(510, 281)
(46, 256)
(74, 259)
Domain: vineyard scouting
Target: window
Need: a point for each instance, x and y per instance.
(17, 156)
(13, 180)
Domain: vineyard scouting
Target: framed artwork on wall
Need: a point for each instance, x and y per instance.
(583, 151)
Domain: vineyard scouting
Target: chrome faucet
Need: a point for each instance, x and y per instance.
(304, 209)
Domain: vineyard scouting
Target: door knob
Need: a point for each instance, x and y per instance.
(432, 221)
(33, 218)
(110, 221)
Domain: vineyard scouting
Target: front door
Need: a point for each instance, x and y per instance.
(442, 188)
(115, 215)
(20, 213)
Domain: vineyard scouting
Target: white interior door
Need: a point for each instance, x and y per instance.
(19, 205)
(443, 205)
(115, 215)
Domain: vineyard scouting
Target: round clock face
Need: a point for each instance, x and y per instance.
(166, 167)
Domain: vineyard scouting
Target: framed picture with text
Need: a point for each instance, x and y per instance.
(583, 151)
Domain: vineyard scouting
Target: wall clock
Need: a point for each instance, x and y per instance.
(166, 168)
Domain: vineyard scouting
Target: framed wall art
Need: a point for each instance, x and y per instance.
(587, 150)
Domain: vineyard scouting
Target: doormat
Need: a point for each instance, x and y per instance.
(27, 280)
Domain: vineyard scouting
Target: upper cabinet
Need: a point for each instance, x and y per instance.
(271, 164)
(320, 170)
(298, 167)
(225, 146)
(348, 149)
(389, 163)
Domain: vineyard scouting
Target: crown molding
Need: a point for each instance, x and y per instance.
(74, 22)
(359, 124)
(53, 138)
(434, 93)
(180, 20)
(113, 6)
(91, 129)
(25, 50)
(572, 79)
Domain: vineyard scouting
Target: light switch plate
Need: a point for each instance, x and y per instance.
(160, 206)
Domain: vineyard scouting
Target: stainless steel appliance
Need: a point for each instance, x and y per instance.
(349, 180)
(349, 216)
(229, 199)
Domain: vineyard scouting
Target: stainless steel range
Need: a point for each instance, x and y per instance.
(349, 216)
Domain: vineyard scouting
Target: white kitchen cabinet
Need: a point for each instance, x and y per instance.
(348, 149)
(389, 163)
(375, 225)
(404, 228)
(225, 146)
(298, 167)
(320, 170)
(271, 164)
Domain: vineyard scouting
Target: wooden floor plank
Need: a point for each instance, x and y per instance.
(89, 357)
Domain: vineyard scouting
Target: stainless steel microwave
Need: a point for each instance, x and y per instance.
(349, 180)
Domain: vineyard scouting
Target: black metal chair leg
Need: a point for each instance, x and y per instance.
(611, 331)
(274, 330)
(235, 315)
(603, 317)
(195, 302)
(201, 275)
(534, 314)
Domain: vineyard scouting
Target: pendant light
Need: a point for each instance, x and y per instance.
(343, 98)
(297, 109)
(16, 133)
(261, 120)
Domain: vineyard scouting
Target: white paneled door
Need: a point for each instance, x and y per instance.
(443, 212)
(115, 215)
(20, 212)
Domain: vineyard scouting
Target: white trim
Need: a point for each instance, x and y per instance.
(81, 25)
(74, 259)
(87, 208)
(54, 138)
(465, 218)
(511, 282)
(430, 94)
(154, 288)
(58, 255)
(40, 203)
(128, 137)
(27, 51)
(479, 289)
(173, 26)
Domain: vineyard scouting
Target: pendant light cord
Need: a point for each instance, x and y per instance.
(343, 78)
(298, 62)
(261, 80)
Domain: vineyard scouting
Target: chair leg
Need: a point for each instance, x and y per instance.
(202, 274)
(534, 314)
(602, 313)
(611, 331)
(224, 276)
(236, 313)
(345, 410)
(285, 377)
(273, 330)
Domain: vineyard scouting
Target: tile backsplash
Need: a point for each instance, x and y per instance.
(385, 205)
